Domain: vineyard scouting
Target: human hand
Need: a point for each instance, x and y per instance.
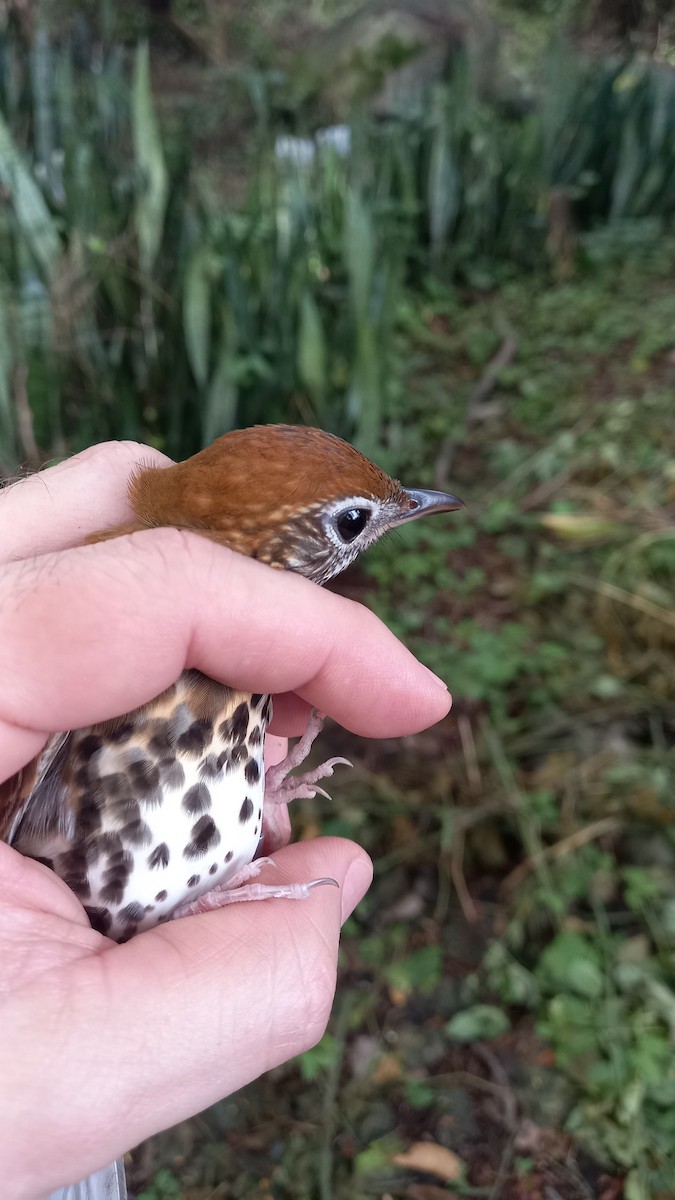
(102, 1045)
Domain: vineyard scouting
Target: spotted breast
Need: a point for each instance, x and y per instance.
(138, 813)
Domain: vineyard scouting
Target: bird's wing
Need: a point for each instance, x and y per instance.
(34, 784)
(108, 1184)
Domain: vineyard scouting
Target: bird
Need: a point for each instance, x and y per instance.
(164, 811)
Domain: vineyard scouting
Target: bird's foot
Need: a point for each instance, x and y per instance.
(281, 787)
(238, 888)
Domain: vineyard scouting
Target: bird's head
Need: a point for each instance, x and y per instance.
(293, 497)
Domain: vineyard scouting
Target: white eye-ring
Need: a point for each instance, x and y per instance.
(346, 521)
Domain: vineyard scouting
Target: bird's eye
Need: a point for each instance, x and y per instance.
(351, 523)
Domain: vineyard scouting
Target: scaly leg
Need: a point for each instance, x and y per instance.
(238, 889)
(281, 787)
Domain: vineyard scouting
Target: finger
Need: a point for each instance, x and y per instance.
(96, 631)
(62, 505)
(276, 749)
(177, 1018)
(290, 715)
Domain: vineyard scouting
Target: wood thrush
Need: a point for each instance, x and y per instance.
(165, 811)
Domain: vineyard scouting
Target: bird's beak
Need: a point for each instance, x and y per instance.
(423, 502)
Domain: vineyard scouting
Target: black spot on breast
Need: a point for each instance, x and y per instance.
(204, 836)
(136, 833)
(149, 908)
(161, 896)
(252, 771)
(131, 913)
(197, 799)
(159, 857)
(208, 767)
(266, 711)
(246, 811)
(236, 755)
(116, 876)
(89, 815)
(73, 869)
(193, 880)
(255, 736)
(234, 728)
(89, 745)
(115, 786)
(108, 843)
(228, 856)
(256, 699)
(82, 775)
(161, 743)
(99, 919)
(171, 773)
(120, 733)
(126, 810)
(213, 868)
(144, 780)
(194, 739)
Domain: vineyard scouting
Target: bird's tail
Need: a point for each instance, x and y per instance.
(108, 1184)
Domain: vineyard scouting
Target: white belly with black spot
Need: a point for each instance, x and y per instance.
(201, 836)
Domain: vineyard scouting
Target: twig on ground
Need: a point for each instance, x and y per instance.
(500, 1075)
(566, 845)
(466, 903)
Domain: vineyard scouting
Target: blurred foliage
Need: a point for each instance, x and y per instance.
(121, 272)
(479, 295)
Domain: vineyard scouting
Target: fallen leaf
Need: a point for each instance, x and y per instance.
(388, 1070)
(398, 996)
(432, 1158)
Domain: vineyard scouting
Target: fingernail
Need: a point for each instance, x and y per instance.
(355, 885)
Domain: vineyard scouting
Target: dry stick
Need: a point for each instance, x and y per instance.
(501, 1076)
(466, 903)
(490, 378)
(329, 1104)
(469, 910)
(470, 755)
(486, 384)
(630, 599)
(525, 468)
(580, 837)
(504, 1168)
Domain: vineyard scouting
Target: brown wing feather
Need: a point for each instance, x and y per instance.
(16, 792)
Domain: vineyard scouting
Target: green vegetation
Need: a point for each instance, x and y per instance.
(481, 296)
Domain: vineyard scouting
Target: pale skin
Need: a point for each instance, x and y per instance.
(103, 1045)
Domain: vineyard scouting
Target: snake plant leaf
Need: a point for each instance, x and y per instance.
(32, 214)
(197, 314)
(312, 349)
(152, 198)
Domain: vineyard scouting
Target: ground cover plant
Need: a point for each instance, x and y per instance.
(482, 298)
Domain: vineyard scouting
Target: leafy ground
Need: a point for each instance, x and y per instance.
(505, 1010)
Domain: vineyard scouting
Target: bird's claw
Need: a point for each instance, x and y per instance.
(220, 897)
(281, 787)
